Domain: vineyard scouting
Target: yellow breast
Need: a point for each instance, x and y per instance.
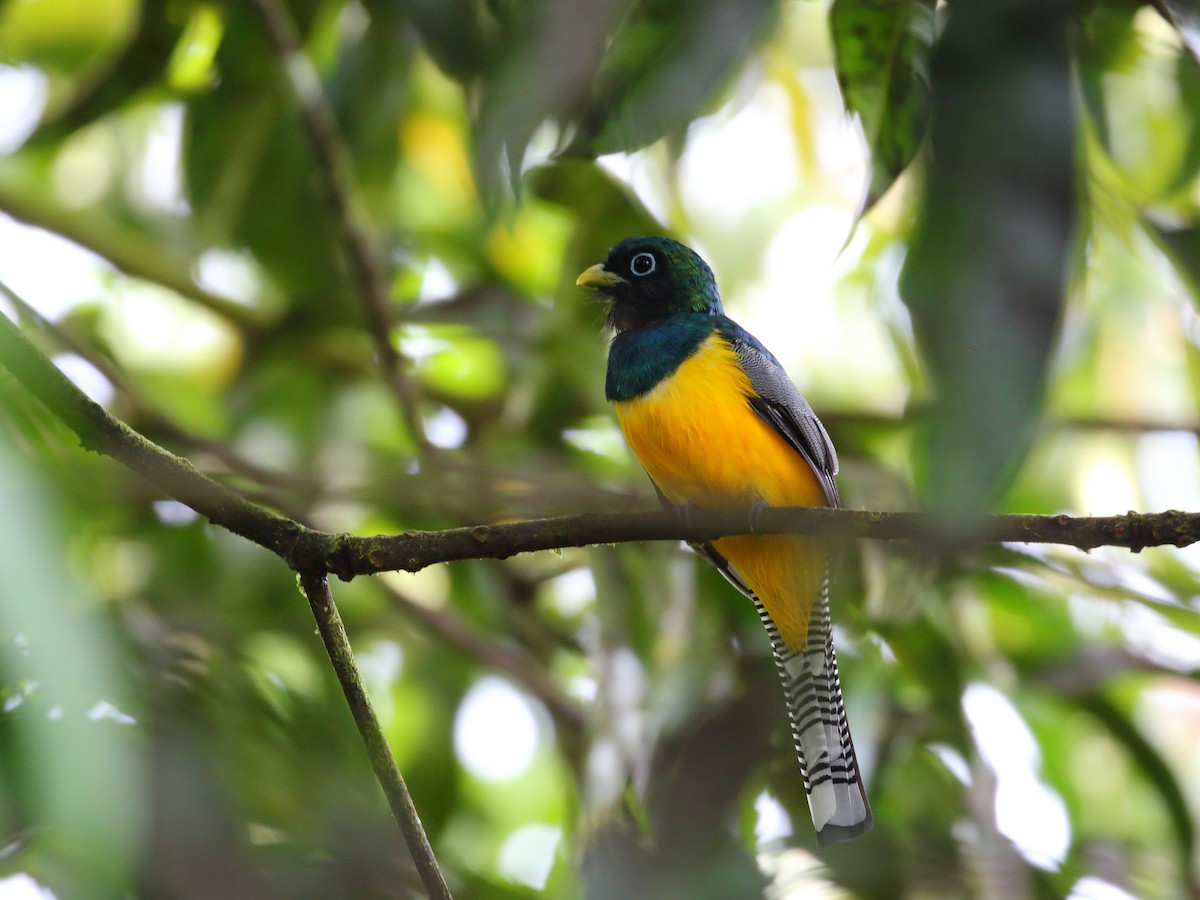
(701, 443)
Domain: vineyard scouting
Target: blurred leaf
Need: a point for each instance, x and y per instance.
(663, 67)
(141, 63)
(1185, 16)
(881, 50)
(1156, 771)
(985, 275)
(613, 210)
(1187, 75)
(467, 366)
(68, 36)
(453, 33)
(547, 56)
(80, 774)
(250, 171)
(1181, 244)
(368, 93)
(1104, 39)
(934, 676)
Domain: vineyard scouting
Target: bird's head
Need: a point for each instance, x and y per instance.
(648, 278)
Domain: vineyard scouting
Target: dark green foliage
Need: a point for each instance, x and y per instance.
(882, 51)
(663, 67)
(986, 274)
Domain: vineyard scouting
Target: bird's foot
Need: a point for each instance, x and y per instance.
(756, 512)
(684, 512)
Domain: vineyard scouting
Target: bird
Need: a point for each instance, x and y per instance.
(715, 421)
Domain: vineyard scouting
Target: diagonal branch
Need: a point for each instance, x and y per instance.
(99, 431)
(362, 257)
(337, 645)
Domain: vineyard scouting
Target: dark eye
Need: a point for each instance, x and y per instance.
(643, 264)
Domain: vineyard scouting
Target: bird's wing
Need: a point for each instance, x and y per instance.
(836, 794)
(778, 403)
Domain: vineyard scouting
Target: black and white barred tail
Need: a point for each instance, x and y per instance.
(837, 798)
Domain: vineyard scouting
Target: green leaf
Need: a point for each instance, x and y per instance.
(249, 168)
(1103, 42)
(453, 35)
(1154, 768)
(1181, 245)
(985, 278)
(1187, 74)
(608, 210)
(139, 65)
(881, 48)
(538, 74)
(1185, 16)
(663, 68)
(368, 92)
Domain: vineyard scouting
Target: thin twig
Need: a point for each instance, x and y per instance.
(362, 256)
(337, 645)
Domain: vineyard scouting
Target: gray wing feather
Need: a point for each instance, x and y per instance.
(782, 406)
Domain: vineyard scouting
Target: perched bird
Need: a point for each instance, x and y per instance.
(715, 421)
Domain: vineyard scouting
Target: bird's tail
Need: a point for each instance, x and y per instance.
(836, 795)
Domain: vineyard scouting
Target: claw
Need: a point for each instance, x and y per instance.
(756, 512)
(684, 511)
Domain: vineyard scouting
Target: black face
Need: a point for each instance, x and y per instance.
(649, 278)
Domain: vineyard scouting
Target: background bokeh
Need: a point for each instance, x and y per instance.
(990, 309)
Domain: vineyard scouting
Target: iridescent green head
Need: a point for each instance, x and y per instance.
(648, 278)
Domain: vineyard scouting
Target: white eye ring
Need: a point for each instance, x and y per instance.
(643, 264)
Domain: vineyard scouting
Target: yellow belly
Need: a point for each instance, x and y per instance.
(701, 443)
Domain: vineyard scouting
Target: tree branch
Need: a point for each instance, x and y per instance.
(836, 420)
(307, 550)
(348, 556)
(99, 431)
(337, 645)
(362, 258)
